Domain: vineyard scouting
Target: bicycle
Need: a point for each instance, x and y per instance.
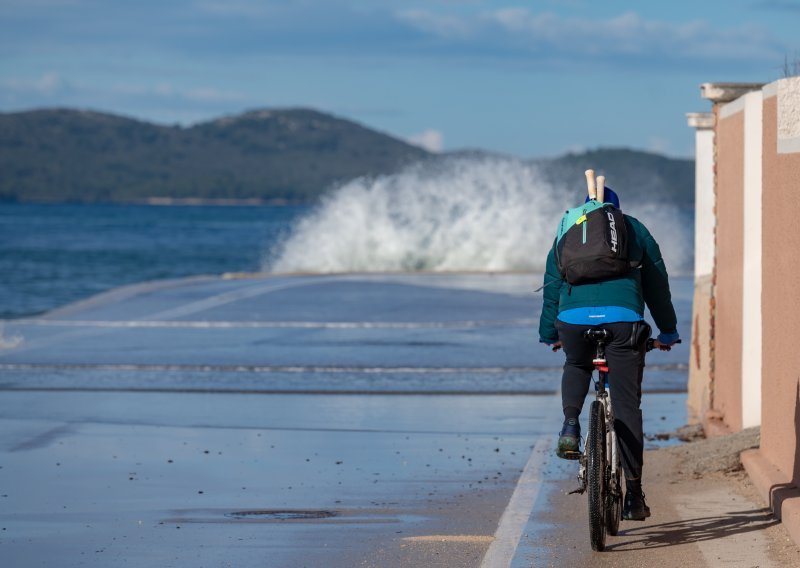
(600, 465)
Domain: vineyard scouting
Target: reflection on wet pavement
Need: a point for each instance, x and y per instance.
(283, 420)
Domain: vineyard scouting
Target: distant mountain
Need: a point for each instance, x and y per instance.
(642, 175)
(70, 155)
(265, 155)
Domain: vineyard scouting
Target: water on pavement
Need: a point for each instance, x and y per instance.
(282, 421)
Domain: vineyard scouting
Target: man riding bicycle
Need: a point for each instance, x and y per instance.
(617, 305)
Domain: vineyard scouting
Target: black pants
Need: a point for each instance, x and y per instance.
(625, 355)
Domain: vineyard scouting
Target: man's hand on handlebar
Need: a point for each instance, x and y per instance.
(655, 343)
(664, 341)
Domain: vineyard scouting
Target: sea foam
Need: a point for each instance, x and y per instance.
(459, 214)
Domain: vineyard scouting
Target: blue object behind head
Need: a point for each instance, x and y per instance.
(609, 197)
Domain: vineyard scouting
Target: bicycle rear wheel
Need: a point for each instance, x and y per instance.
(613, 495)
(596, 475)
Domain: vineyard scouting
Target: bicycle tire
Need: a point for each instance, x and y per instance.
(596, 475)
(613, 498)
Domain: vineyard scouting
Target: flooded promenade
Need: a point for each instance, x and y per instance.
(288, 421)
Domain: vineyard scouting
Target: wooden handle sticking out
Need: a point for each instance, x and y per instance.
(590, 184)
(601, 188)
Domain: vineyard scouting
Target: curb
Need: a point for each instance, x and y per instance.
(776, 489)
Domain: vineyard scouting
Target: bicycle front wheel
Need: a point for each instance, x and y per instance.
(596, 475)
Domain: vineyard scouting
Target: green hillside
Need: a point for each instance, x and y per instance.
(69, 155)
(293, 155)
(644, 175)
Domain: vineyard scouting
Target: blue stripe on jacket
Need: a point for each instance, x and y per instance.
(598, 315)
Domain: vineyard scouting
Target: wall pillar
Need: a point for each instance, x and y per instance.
(704, 219)
(751, 285)
(720, 411)
(699, 387)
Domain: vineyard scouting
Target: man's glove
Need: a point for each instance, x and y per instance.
(554, 345)
(668, 339)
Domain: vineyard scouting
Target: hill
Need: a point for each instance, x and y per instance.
(293, 155)
(70, 155)
(641, 174)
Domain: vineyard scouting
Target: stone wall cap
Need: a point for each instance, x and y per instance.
(726, 92)
(700, 120)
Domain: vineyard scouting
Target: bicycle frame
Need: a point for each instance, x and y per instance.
(602, 395)
(599, 471)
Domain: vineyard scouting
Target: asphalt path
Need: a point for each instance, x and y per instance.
(345, 420)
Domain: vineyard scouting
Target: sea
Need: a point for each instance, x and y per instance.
(55, 254)
(460, 215)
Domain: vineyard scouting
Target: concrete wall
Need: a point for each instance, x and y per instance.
(700, 376)
(705, 220)
(700, 386)
(751, 284)
(756, 376)
(781, 299)
(727, 395)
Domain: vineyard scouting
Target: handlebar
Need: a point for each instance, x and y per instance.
(651, 345)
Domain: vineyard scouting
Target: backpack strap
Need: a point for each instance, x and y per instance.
(576, 216)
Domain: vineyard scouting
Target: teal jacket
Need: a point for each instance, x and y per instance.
(647, 284)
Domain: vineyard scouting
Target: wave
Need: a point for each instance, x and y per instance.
(457, 214)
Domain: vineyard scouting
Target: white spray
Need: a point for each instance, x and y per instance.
(461, 214)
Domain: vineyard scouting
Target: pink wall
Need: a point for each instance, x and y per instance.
(727, 394)
(774, 468)
(780, 406)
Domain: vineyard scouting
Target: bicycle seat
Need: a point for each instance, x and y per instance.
(597, 335)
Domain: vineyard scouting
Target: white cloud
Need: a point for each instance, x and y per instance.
(47, 84)
(243, 8)
(167, 90)
(430, 139)
(160, 101)
(445, 26)
(523, 31)
(659, 145)
(574, 149)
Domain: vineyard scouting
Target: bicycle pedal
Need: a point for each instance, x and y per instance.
(572, 455)
(579, 491)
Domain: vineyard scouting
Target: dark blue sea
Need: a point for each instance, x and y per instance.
(51, 255)
(471, 216)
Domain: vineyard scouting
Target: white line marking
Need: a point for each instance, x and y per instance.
(193, 324)
(184, 310)
(232, 296)
(274, 368)
(515, 517)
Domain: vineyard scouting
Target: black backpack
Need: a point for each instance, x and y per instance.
(592, 244)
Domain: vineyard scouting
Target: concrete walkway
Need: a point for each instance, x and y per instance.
(711, 519)
(354, 420)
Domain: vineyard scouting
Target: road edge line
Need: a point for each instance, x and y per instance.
(515, 517)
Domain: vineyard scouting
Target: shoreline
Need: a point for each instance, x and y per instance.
(178, 202)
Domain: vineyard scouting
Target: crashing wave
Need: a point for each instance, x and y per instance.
(460, 214)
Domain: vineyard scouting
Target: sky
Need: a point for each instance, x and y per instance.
(531, 79)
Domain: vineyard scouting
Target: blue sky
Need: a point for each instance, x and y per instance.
(525, 78)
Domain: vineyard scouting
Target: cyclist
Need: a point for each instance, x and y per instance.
(618, 306)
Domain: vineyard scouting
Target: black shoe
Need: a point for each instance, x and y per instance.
(569, 440)
(635, 509)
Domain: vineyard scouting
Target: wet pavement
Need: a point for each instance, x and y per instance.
(284, 421)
